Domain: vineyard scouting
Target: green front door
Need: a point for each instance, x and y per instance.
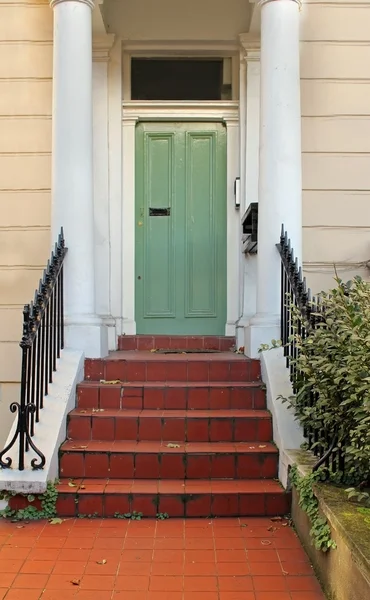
(180, 228)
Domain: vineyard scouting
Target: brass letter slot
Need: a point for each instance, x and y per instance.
(159, 212)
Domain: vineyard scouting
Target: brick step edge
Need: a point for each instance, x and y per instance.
(146, 460)
(228, 499)
(178, 395)
(160, 369)
(189, 426)
(175, 342)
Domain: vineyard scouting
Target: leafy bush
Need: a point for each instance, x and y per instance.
(333, 362)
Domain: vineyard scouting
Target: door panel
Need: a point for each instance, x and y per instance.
(181, 228)
(159, 265)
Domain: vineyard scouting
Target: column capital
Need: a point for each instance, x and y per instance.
(250, 48)
(102, 45)
(90, 3)
(261, 3)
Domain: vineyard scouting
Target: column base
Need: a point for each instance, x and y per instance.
(87, 334)
(262, 329)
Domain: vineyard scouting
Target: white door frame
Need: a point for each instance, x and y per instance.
(132, 112)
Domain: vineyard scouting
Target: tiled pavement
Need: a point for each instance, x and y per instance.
(223, 559)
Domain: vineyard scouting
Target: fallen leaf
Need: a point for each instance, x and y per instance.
(82, 487)
(110, 382)
(20, 526)
(154, 350)
(262, 446)
(71, 484)
(243, 525)
(82, 411)
(79, 447)
(265, 542)
(284, 524)
(274, 519)
(56, 521)
(285, 572)
(101, 562)
(173, 445)
(75, 581)
(98, 410)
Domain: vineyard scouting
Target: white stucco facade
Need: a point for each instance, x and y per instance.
(93, 184)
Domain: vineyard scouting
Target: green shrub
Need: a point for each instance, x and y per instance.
(334, 363)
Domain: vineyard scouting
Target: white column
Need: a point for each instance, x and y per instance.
(280, 180)
(72, 170)
(251, 55)
(102, 45)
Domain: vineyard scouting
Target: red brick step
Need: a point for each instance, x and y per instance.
(145, 460)
(200, 395)
(180, 425)
(175, 342)
(149, 366)
(191, 498)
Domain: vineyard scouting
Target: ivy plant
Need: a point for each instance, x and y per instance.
(308, 502)
(48, 502)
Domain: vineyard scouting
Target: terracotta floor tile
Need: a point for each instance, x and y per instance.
(97, 595)
(235, 584)
(97, 582)
(30, 581)
(202, 596)
(26, 594)
(155, 595)
(273, 596)
(138, 568)
(56, 594)
(270, 583)
(231, 556)
(163, 556)
(169, 583)
(230, 569)
(167, 568)
(17, 541)
(61, 582)
(122, 595)
(206, 543)
(200, 584)
(130, 583)
(37, 566)
(69, 567)
(10, 566)
(139, 544)
(265, 568)
(108, 543)
(234, 543)
(192, 569)
(137, 555)
(200, 556)
(169, 543)
(237, 596)
(149, 560)
(265, 555)
(14, 553)
(73, 554)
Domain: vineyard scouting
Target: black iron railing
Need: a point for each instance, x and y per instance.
(296, 296)
(41, 343)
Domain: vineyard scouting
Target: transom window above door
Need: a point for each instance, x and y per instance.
(167, 79)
